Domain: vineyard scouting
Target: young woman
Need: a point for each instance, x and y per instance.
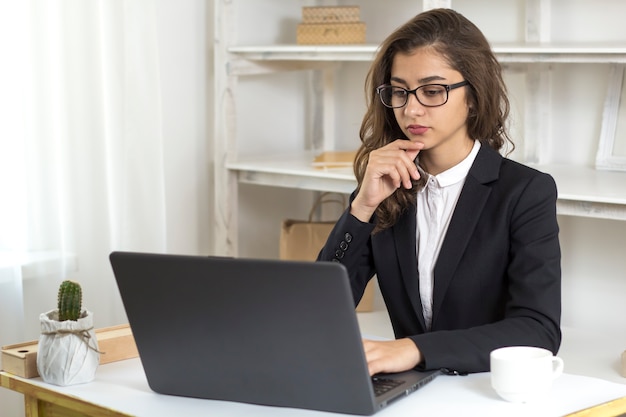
(463, 241)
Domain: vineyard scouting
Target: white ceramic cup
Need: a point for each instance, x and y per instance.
(523, 374)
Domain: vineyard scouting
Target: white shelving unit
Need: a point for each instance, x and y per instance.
(583, 190)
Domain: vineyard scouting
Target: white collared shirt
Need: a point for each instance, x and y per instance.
(435, 205)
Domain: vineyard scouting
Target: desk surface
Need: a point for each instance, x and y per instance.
(122, 386)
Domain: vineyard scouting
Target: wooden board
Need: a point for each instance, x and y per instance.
(334, 159)
(614, 408)
(116, 342)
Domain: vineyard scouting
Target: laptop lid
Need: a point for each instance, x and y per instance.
(281, 333)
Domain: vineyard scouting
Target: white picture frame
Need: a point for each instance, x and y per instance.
(611, 154)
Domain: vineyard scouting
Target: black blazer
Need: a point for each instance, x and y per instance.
(497, 280)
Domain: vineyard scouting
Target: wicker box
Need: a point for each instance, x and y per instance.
(330, 33)
(331, 14)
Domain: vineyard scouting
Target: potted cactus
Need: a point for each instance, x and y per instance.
(68, 349)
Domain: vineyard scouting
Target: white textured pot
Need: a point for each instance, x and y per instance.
(68, 350)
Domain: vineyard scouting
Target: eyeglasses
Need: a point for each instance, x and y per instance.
(429, 95)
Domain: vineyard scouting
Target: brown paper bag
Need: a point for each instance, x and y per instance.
(302, 240)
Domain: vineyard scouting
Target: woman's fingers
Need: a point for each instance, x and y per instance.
(397, 161)
(391, 356)
(388, 168)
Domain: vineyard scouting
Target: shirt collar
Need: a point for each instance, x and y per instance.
(456, 173)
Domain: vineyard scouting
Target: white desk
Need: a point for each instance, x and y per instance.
(122, 387)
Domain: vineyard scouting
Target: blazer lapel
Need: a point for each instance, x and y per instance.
(404, 236)
(471, 201)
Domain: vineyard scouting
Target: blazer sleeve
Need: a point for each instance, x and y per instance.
(349, 243)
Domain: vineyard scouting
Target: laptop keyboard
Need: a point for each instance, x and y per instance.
(382, 385)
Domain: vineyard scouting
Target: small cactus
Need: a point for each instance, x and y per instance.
(70, 301)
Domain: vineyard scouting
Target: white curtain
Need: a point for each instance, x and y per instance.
(81, 151)
(102, 147)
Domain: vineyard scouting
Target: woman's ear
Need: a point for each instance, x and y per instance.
(471, 112)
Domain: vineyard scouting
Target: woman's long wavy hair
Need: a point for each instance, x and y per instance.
(467, 51)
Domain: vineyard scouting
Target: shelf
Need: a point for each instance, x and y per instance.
(583, 191)
(510, 53)
(295, 52)
(293, 171)
(587, 192)
(560, 53)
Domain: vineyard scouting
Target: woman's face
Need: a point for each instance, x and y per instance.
(440, 128)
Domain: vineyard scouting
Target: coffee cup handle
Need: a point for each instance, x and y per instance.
(557, 367)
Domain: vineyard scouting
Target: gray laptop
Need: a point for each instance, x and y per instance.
(269, 332)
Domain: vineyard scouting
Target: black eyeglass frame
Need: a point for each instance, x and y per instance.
(447, 87)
